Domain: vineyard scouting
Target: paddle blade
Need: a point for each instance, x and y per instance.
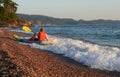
(27, 29)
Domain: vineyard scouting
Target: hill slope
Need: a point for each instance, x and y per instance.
(45, 20)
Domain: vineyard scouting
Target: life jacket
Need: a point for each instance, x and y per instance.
(42, 36)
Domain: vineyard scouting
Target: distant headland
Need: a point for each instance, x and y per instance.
(45, 20)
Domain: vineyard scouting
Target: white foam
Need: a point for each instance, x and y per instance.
(93, 55)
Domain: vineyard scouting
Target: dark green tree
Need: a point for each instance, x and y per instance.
(8, 10)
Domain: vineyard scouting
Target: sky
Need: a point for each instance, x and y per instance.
(75, 9)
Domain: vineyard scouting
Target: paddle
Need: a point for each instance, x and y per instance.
(27, 29)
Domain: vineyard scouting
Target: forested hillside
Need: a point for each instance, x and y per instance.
(8, 16)
(8, 10)
(45, 20)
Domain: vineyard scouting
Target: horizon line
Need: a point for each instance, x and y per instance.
(72, 18)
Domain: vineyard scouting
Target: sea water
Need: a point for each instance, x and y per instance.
(97, 46)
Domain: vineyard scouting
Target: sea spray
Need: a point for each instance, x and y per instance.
(93, 55)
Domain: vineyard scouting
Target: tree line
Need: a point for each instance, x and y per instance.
(8, 10)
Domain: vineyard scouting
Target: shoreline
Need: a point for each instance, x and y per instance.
(33, 62)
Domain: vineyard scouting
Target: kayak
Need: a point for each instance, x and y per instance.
(19, 38)
(24, 40)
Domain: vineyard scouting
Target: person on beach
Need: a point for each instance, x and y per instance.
(42, 36)
(34, 37)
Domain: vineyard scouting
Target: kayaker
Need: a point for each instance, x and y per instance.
(34, 37)
(42, 36)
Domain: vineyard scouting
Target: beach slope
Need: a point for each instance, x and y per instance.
(19, 60)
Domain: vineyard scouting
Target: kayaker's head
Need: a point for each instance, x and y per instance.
(42, 30)
(35, 33)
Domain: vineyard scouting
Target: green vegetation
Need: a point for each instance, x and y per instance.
(7, 10)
